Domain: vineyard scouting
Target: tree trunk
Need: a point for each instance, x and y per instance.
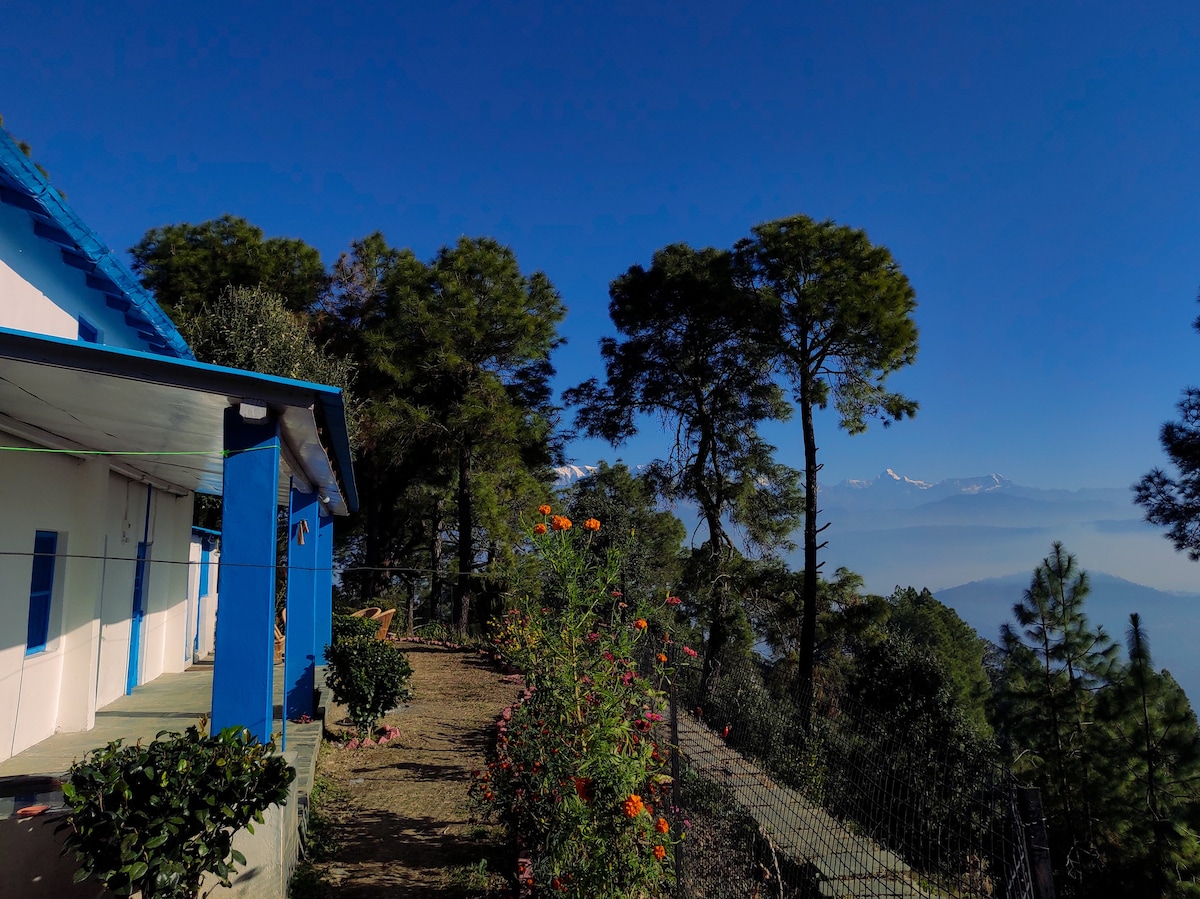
(466, 555)
(718, 625)
(435, 562)
(808, 625)
(368, 586)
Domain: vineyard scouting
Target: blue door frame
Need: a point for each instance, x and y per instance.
(138, 613)
(137, 616)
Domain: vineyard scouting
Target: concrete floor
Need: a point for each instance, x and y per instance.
(171, 702)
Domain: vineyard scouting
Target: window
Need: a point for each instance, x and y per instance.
(88, 332)
(41, 590)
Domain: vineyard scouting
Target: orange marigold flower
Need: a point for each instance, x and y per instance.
(660, 853)
(592, 524)
(633, 806)
(560, 523)
(662, 657)
(544, 509)
(661, 825)
(539, 528)
(641, 624)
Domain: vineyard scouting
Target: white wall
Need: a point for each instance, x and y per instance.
(165, 602)
(25, 308)
(29, 685)
(202, 608)
(99, 517)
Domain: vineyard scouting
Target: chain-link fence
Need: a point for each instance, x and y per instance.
(829, 797)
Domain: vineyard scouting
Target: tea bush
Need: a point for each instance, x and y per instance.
(157, 818)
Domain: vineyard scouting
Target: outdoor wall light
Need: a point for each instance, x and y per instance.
(253, 411)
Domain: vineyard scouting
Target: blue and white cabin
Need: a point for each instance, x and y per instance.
(108, 430)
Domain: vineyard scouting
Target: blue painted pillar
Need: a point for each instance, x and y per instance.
(325, 586)
(244, 656)
(300, 648)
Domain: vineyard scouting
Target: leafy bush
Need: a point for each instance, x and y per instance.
(368, 676)
(157, 818)
(347, 626)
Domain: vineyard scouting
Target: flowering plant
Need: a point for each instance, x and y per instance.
(578, 776)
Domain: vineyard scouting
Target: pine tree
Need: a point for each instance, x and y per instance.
(691, 353)
(1154, 763)
(842, 325)
(1055, 663)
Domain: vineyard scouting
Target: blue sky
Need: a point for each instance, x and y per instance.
(1033, 167)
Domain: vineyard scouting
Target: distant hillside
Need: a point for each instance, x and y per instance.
(902, 531)
(1171, 619)
(895, 530)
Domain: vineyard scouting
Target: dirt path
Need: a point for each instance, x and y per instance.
(399, 812)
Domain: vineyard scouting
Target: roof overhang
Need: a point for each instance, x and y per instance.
(161, 420)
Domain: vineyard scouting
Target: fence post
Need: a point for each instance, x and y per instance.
(1033, 824)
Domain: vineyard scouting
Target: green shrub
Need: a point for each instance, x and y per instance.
(348, 626)
(157, 818)
(368, 676)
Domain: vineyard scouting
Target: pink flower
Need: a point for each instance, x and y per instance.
(689, 651)
(593, 637)
(607, 656)
(673, 600)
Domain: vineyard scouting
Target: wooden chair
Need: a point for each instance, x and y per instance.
(385, 621)
(368, 612)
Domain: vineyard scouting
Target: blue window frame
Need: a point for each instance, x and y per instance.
(88, 332)
(41, 590)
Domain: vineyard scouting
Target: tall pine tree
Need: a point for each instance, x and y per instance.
(1153, 822)
(1055, 663)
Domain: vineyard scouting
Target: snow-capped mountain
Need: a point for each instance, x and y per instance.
(898, 530)
(892, 490)
(569, 474)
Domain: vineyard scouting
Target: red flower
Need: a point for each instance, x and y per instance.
(585, 789)
(673, 600)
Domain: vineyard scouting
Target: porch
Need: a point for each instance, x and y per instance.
(171, 702)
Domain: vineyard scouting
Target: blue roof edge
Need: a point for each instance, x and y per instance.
(21, 169)
(333, 408)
